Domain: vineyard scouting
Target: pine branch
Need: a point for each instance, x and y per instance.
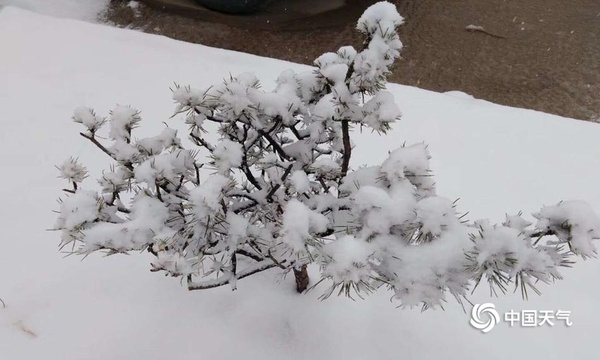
(244, 207)
(176, 193)
(276, 187)
(347, 147)
(123, 209)
(197, 170)
(158, 194)
(98, 144)
(322, 182)
(201, 142)
(246, 170)
(297, 133)
(542, 233)
(249, 255)
(92, 138)
(181, 179)
(234, 264)
(224, 280)
(278, 149)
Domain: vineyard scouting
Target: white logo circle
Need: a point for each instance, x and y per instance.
(488, 310)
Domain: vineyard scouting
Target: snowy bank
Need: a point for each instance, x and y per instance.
(496, 159)
(86, 10)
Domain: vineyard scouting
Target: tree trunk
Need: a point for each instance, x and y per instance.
(301, 276)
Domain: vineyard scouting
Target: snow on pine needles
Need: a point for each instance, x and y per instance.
(276, 191)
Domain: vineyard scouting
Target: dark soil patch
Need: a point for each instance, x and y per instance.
(545, 54)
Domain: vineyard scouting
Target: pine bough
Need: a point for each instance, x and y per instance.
(277, 191)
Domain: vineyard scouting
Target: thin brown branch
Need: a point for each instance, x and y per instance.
(276, 147)
(254, 141)
(542, 233)
(223, 206)
(239, 193)
(347, 147)
(224, 280)
(297, 133)
(277, 263)
(158, 194)
(238, 207)
(249, 255)
(173, 193)
(181, 178)
(123, 209)
(197, 168)
(234, 263)
(201, 142)
(246, 170)
(245, 206)
(91, 138)
(98, 144)
(276, 187)
(325, 187)
(481, 29)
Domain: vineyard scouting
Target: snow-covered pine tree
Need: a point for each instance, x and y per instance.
(277, 191)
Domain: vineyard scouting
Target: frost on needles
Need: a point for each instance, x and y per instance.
(272, 188)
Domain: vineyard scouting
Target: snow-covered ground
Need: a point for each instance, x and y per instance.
(87, 10)
(496, 159)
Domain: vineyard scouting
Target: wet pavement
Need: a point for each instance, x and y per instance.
(537, 54)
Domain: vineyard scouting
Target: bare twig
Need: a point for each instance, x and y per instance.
(477, 28)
